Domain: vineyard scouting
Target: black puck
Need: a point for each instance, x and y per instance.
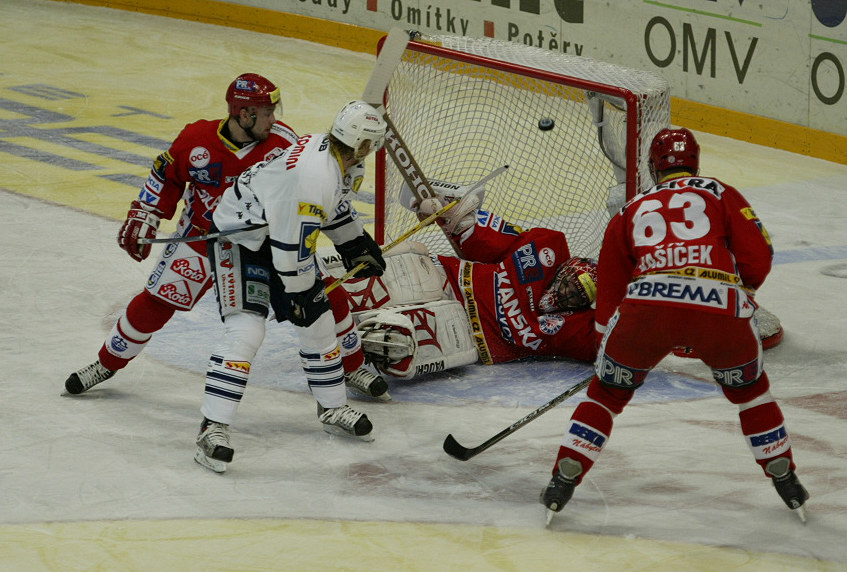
(546, 124)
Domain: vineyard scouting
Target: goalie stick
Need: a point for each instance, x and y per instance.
(457, 451)
(388, 59)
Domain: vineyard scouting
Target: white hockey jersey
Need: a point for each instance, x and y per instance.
(298, 195)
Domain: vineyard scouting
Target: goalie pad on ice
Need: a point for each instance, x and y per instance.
(415, 340)
(410, 277)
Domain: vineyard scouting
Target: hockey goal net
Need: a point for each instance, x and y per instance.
(467, 106)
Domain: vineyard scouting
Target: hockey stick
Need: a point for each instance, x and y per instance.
(388, 59)
(203, 237)
(454, 449)
(393, 243)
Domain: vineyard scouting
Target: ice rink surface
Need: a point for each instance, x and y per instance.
(106, 481)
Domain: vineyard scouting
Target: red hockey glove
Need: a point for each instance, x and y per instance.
(142, 221)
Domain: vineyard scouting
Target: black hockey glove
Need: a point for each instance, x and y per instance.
(309, 305)
(362, 249)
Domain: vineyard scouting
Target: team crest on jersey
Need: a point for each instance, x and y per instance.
(527, 264)
(550, 324)
(210, 175)
(309, 232)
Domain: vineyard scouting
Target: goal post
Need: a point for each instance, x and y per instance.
(467, 106)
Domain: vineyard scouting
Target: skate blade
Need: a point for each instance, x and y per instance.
(550, 514)
(334, 430)
(384, 397)
(211, 464)
(801, 512)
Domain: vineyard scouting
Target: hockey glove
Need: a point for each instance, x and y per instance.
(309, 305)
(142, 221)
(362, 249)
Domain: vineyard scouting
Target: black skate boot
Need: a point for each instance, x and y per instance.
(345, 420)
(788, 485)
(368, 383)
(560, 488)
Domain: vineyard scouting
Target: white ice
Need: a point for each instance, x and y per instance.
(676, 468)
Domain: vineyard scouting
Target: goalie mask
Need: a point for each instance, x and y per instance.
(574, 287)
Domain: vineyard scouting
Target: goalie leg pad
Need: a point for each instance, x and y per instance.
(420, 339)
(410, 277)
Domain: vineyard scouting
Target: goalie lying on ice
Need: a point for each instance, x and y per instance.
(513, 294)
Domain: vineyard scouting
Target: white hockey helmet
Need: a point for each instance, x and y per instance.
(358, 122)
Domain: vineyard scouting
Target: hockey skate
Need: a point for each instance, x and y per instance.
(87, 377)
(788, 485)
(213, 449)
(346, 421)
(367, 383)
(560, 488)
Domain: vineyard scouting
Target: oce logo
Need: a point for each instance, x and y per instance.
(199, 157)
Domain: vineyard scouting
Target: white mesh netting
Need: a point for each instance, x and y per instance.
(476, 106)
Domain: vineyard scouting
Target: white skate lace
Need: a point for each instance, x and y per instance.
(361, 379)
(344, 416)
(93, 374)
(215, 434)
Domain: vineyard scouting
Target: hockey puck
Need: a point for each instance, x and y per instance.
(546, 124)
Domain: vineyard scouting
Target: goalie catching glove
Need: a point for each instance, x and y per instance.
(359, 250)
(142, 221)
(456, 220)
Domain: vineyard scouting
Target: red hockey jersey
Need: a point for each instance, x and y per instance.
(689, 241)
(199, 165)
(502, 288)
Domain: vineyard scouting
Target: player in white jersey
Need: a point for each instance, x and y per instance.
(297, 195)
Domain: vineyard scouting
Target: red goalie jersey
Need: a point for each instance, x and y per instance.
(502, 288)
(205, 161)
(689, 241)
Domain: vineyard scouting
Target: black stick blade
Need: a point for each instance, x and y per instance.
(455, 450)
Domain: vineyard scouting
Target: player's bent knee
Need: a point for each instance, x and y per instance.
(244, 333)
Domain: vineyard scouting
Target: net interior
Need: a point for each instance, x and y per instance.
(462, 120)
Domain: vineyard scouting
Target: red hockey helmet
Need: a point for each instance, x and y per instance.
(574, 286)
(674, 148)
(251, 90)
